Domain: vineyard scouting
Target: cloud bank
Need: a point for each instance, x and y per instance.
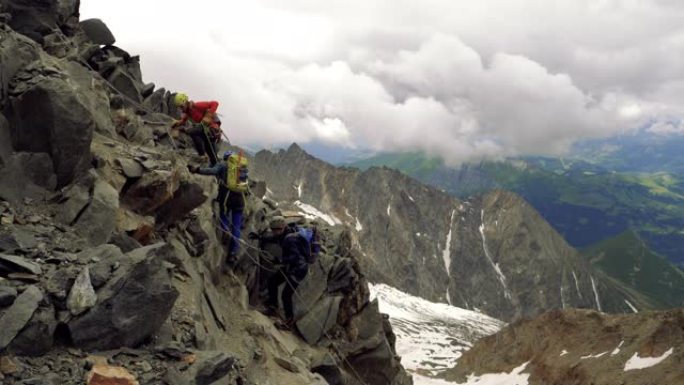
(465, 80)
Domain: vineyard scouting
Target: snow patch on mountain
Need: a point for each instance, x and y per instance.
(636, 362)
(430, 336)
(311, 212)
(596, 295)
(497, 269)
(631, 306)
(515, 377)
(446, 254)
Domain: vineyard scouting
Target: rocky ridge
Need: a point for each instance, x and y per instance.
(109, 255)
(494, 253)
(582, 347)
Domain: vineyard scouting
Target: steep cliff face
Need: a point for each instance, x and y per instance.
(111, 264)
(493, 253)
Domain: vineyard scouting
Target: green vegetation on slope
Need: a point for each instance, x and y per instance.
(628, 260)
(584, 202)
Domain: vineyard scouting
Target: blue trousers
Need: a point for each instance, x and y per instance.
(232, 205)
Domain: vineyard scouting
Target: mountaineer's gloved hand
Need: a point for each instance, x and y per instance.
(252, 235)
(192, 169)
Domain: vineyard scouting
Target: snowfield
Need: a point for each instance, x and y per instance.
(432, 336)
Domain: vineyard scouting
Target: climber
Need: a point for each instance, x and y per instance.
(299, 248)
(232, 186)
(203, 127)
(270, 255)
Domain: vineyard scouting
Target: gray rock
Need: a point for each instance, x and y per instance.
(286, 364)
(18, 239)
(377, 366)
(77, 197)
(131, 306)
(110, 256)
(321, 318)
(185, 199)
(98, 221)
(124, 242)
(19, 314)
(310, 290)
(36, 18)
(16, 264)
(97, 31)
(37, 337)
(150, 192)
(147, 90)
(65, 133)
(58, 285)
(174, 377)
(156, 101)
(7, 295)
(82, 295)
(125, 84)
(16, 51)
(130, 168)
(213, 368)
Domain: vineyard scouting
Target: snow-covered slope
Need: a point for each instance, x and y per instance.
(430, 336)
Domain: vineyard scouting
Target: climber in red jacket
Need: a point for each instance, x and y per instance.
(203, 125)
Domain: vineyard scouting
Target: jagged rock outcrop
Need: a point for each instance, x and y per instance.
(493, 253)
(111, 262)
(583, 347)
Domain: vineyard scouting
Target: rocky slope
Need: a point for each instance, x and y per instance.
(581, 347)
(493, 253)
(109, 255)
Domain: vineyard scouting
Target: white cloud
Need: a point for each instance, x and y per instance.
(466, 80)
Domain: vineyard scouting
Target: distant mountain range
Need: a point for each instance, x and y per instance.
(493, 253)
(604, 189)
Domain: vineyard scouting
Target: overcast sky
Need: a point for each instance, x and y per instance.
(464, 79)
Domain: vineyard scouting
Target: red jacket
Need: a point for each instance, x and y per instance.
(198, 110)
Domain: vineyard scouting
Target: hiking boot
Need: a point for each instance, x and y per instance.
(270, 312)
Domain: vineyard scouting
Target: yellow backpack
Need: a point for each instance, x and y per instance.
(237, 174)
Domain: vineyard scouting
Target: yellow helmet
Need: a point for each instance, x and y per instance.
(180, 99)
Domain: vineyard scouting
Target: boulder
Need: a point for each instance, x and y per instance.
(311, 289)
(107, 259)
(147, 90)
(64, 129)
(19, 314)
(130, 168)
(58, 285)
(125, 84)
(16, 51)
(131, 306)
(82, 295)
(98, 221)
(36, 18)
(97, 31)
(37, 337)
(320, 319)
(140, 227)
(211, 367)
(7, 295)
(26, 175)
(150, 192)
(17, 264)
(377, 366)
(185, 199)
(156, 101)
(124, 242)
